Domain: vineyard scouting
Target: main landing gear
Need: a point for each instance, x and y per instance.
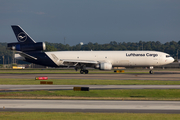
(84, 71)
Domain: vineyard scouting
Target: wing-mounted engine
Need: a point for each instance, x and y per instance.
(27, 47)
(104, 66)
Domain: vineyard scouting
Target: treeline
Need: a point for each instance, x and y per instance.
(168, 47)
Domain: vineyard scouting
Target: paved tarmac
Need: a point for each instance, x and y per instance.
(156, 76)
(6, 88)
(90, 106)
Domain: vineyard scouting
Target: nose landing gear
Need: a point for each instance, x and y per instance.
(151, 71)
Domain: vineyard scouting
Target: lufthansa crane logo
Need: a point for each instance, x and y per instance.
(22, 37)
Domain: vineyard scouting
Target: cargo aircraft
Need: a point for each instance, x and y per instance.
(33, 52)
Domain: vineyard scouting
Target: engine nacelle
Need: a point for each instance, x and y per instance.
(105, 66)
(27, 47)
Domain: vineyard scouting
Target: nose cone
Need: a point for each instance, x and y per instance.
(171, 60)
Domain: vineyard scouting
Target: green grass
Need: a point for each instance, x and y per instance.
(146, 94)
(85, 116)
(10, 81)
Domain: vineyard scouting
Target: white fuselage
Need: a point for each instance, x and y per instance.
(116, 58)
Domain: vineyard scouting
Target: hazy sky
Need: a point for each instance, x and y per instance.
(93, 21)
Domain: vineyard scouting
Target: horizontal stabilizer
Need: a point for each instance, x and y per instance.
(26, 55)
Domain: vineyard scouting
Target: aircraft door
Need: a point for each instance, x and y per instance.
(160, 59)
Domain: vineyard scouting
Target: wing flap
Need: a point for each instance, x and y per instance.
(80, 61)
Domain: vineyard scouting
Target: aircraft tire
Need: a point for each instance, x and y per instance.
(86, 71)
(151, 72)
(81, 71)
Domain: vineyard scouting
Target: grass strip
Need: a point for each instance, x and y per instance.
(85, 116)
(146, 94)
(10, 81)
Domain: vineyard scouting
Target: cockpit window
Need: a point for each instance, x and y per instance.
(168, 56)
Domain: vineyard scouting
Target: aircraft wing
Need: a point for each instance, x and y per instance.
(79, 61)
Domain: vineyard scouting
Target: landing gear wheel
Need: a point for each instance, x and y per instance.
(81, 71)
(151, 72)
(86, 71)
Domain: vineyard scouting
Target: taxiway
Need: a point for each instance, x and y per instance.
(156, 76)
(6, 88)
(90, 106)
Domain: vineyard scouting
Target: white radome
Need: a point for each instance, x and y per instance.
(81, 43)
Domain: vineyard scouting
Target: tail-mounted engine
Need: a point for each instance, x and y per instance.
(27, 47)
